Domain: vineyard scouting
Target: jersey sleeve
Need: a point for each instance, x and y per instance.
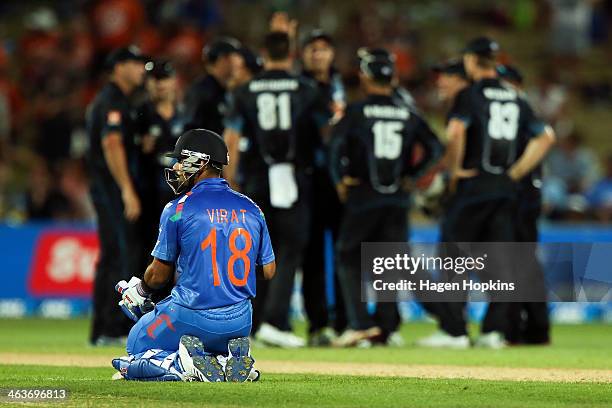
(234, 119)
(114, 119)
(462, 109)
(266, 253)
(167, 245)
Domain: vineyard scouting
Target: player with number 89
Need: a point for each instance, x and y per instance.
(487, 126)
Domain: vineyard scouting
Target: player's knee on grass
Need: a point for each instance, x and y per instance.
(150, 366)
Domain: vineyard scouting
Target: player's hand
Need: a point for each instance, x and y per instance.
(343, 186)
(513, 174)
(132, 292)
(134, 301)
(131, 204)
(460, 174)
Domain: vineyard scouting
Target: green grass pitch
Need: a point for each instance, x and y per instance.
(574, 347)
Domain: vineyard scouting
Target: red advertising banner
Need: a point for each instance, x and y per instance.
(64, 264)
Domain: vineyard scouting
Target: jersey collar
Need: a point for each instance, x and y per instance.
(210, 182)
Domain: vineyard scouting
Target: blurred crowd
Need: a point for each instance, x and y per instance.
(52, 64)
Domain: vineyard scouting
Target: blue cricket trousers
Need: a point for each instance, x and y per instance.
(163, 327)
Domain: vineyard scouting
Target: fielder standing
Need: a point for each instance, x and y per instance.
(487, 125)
(113, 170)
(370, 162)
(270, 140)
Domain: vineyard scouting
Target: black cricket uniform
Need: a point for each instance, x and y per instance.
(275, 113)
(327, 206)
(165, 132)
(152, 187)
(529, 322)
(205, 105)
(111, 111)
(373, 143)
(484, 208)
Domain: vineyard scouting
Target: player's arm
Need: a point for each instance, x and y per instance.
(166, 250)
(534, 153)
(136, 292)
(116, 160)
(432, 148)
(269, 270)
(156, 276)
(337, 150)
(456, 134)
(265, 254)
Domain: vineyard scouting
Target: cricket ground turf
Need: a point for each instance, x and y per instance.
(575, 371)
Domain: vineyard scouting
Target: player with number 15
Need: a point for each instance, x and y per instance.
(371, 152)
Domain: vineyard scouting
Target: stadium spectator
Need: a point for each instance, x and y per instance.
(570, 27)
(550, 99)
(570, 170)
(318, 51)
(73, 185)
(599, 196)
(44, 201)
(116, 22)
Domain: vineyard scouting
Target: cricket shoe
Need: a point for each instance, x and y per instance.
(492, 340)
(359, 338)
(196, 364)
(254, 375)
(272, 336)
(322, 338)
(395, 339)
(240, 363)
(441, 339)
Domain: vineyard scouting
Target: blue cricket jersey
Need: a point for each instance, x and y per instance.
(215, 236)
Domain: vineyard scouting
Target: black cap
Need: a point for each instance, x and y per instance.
(131, 53)
(159, 69)
(377, 63)
(317, 34)
(253, 62)
(451, 67)
(483, 47)
(220, 47)
(510, 73)
(201, 141)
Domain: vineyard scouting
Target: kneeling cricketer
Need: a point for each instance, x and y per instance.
(211, 238)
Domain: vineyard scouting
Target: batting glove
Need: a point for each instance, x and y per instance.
(134, 299)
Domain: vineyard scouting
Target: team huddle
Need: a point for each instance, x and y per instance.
(269, 160)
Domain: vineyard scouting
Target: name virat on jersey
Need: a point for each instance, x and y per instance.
(222, 215)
